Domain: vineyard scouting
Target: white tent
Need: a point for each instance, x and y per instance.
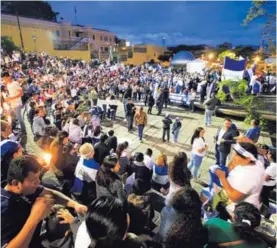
(196, 65)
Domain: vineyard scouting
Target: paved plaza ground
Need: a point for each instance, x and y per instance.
(153, 135)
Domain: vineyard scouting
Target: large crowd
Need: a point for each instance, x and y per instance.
(90, 190)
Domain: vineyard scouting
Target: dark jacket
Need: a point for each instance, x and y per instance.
(112, 143)
(115, 189)
(130, 109)
(228, 137)
(151, 101)
(101, 151)
(211, 104)
(142, 173)
(166, 123)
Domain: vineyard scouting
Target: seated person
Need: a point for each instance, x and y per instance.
(140, 211)
(85, 174)
(106, 225)
(160, 179)
(141, 171)
(181, 224)
(25, 204)
(241, 233)
(61, 228)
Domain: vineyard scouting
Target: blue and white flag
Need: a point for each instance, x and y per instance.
(250, 71)
(233, 69)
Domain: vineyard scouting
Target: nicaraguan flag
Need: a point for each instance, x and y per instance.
(251, 71)
(233, 69)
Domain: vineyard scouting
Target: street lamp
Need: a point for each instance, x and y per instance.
(35, 39)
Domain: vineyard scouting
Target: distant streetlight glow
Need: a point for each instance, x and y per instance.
(210, 56)
(257, 59)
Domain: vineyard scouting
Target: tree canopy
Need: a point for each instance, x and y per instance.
(32, 9)
(8, 45)
(264, 9)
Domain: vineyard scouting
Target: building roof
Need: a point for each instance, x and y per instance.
(182, 57)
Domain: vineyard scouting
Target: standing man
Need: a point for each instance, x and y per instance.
(140, 121)
(176, 129)
(24, 204)
(192, 98)
(166, 96)
(166, 127)
(130, 110)
(14, 99)
(210, 108)
(254, 132)
(146, 93)
(160, 102)
(224, 139)
(94, 96)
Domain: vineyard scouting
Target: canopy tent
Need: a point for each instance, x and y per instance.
(182, 58)
(270, 61)
(196, 65)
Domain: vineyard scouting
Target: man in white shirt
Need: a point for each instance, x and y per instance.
(14, 99)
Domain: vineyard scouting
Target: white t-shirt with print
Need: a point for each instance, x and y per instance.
(271, 171)
(198, 144)
(13, 91)
(249, 181)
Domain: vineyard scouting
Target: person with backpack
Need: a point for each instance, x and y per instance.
(176, 129)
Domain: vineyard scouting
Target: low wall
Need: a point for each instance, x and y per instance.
(83, 55)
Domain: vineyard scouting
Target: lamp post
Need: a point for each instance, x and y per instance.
(163, 41)
(35, 42)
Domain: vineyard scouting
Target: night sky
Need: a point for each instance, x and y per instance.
(188, 23)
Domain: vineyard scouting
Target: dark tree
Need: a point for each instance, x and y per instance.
(7, 45)
(164, 57)
(32, 9)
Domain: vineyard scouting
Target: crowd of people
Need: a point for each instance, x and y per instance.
(92, 191)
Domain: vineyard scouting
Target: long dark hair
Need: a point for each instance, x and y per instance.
(188, 230)
(196, 134)
(178, 170)
(105, 176)
(120, 148)
(247, 218)
(106, 221)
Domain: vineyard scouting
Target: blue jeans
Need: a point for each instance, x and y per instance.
(195, 161)
(140, 131)
(208, 117)
(125, 101)
(176, 135)
(220, 157)
(19, 118)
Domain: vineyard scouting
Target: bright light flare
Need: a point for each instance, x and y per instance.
(211, 56)
(9, 119)
(257, 59)
(47, 158)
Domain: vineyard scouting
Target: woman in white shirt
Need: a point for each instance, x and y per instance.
(270, 178)
(246, 176)
(199, 148)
